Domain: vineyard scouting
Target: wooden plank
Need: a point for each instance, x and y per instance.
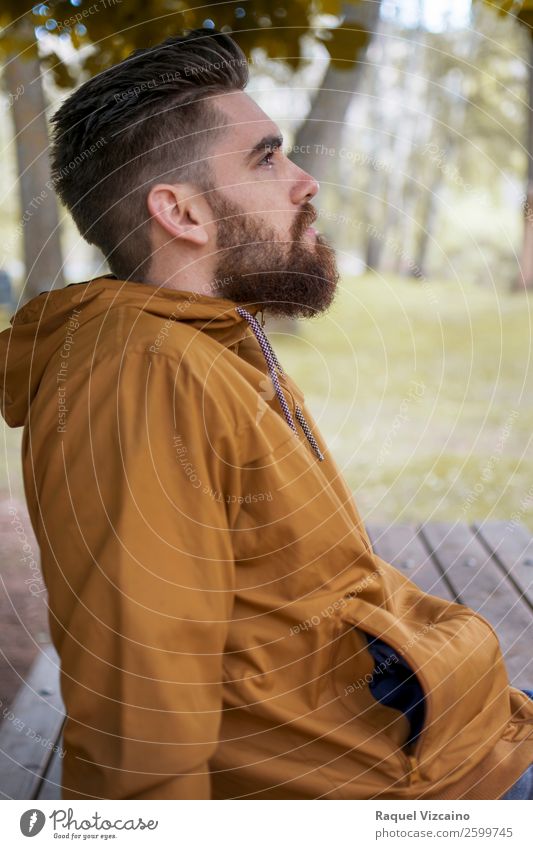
(481, 584)
(50, 787)
(401, 546)
(31, 729)
(511, 545)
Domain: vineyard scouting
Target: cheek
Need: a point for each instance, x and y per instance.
(268, 196)
(264, 198)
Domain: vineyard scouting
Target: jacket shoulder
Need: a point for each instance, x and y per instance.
(198, 367)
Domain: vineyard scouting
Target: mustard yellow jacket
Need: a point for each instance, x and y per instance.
(210, 578)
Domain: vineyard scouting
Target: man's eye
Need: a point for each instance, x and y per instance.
(267, 159)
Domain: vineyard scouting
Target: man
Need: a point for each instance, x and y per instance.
(224, 627)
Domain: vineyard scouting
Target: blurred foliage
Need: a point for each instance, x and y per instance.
(520, 9)
(115, 28)
(433, 155)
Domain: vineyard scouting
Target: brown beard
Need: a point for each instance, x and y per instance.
(295, 278)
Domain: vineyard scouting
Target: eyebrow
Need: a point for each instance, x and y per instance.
(266, 143)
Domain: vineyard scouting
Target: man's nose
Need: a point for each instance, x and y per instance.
(304, 188)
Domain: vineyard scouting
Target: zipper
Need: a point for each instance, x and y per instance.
(409, 758)
(414, 772)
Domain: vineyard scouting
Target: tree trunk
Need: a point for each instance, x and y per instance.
(319, 134)
(407, 231)
(404, 139)
(426, 226)
(452, 114)
(38, 205)
(317, 138)
(375, 188)
(524, 279)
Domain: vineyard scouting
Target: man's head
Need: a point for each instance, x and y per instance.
(180, 179)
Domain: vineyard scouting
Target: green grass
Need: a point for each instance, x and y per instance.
(423, 392)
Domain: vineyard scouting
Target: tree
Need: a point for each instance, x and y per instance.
(347, 46)
(439, 123)
(524, 279)
(39, 219)
(524, 14)
(108, 31)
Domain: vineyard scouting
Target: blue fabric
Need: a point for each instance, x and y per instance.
(523, 788)
(394, 684)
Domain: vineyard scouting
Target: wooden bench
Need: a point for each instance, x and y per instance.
(30, 735)
(487, 566)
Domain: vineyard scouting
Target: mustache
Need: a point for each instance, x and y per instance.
(308, 216)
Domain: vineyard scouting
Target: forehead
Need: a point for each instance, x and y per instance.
(247, 121)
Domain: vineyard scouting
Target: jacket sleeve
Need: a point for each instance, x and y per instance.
(142, 595)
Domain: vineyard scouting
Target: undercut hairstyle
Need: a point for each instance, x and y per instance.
(145, 120)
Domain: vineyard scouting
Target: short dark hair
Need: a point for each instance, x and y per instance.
(147, 118)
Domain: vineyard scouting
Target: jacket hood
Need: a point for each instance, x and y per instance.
(38, 329)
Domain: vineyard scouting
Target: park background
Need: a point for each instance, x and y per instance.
(415, 117)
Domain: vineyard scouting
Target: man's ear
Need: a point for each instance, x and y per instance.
(179, 211)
